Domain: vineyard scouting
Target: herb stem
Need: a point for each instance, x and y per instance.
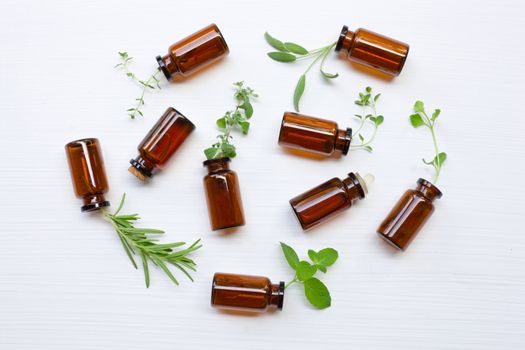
(295, 280)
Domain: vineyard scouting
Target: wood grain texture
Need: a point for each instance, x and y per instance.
(65, 282)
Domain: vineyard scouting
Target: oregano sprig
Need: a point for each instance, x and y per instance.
(136, 241)
(368, 102)
(152, 83)
(420, 118)
(291, 52)
(235, 119)
(314, 290)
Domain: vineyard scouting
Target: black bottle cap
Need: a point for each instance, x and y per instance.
(94, 206)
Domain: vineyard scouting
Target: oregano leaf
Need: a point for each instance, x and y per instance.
(419, 107)
(290, 255)
(416, 120)
(317, 293)
(305, 270)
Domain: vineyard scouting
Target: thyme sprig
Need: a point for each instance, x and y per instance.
(236, 119)
(136, 242)
(420, 118)
(368, 101)
(152, 83)
(291, 52)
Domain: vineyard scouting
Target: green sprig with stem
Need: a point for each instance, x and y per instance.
(136, 241)
(152, 83)
(367, 100)
(291, 52)
(421, 118)
(235, 119)
(314, 290)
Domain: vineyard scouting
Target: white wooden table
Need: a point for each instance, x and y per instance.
(65, 282)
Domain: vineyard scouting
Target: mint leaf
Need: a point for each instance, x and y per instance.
(298, 93)
(416, 120)
(275, 43)
(305, 270)
(290, 255)
(281, 56)
(295, 48)
(317, 293)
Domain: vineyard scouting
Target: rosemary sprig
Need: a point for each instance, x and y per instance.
(151, 83)
(136, 242)
(420, 118)
(368, 103)
(291, 52)
(238, 118)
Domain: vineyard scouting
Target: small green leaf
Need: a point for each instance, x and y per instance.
(361, 137)
(379, 120)
(435, 114)
(442, 157)
(245, 126)
(359, 116)
(305, 270)
(290, 255)
(312, 255)
(248, 108)
(298, 93)
(281, 56)
(359, 103)
(221, 123)
(228, 150)
(317, 293)
(123, 55)
(295, 48)
(327, 257)
(419, 107)
(275, 43)
(368, 89)
(369, 148)
(376, 97)
(416, 120)
(211, 152)
(329, 75)
(321, 268)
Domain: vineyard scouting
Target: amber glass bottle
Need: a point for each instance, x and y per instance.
(86, 167)
(160, 143)
(223, 195)
(193, 53)
(409, 214)
(328, 199)
(313, 134)
(246, 293)
(373, 50)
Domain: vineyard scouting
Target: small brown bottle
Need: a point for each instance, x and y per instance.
(409, 214)
(160, 143)
(246, 293)
(313, 135)
(223, 195)
(373, 50)
(193, 53)
(86, 167)
(329, 199)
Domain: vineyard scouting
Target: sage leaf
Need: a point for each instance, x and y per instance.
(295, 48)
(298, 93)
(281, 56)
(275, 43)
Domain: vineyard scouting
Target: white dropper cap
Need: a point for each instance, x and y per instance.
(365, 181)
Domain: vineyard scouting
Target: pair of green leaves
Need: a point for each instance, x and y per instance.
(236, 119)
(368, 101)
(314, 290)
(290, 52)
(421, 118)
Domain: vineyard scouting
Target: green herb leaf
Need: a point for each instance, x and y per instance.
(326, 257)
(248, 109)
(317, 293)
(281, 56)
(379, 120)
(435, 114)
(416, 120)
(295, 48)
(329, 75)
(290, 255)
(211, 152)
(275, 43)
(321, 268)
(245, 126)
(228, 150)
(221, 123)
(305, 270)
(440, 159)
(299, 90)
(419, 107)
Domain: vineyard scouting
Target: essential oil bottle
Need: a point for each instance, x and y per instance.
(88, 174)
(314, 135)
(409, 214)
(193, 53)
(373, 50)
(223, 195)
(161, 142)
(329, 199)
(246, 293)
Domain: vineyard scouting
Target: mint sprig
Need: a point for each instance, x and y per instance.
(314, 290)
(420, 118)
(290, 52)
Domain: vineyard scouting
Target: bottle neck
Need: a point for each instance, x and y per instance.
(277, 295)
(168, 66)
(345, 41)
(141, 168)
(354, 187)
(94, 202)
(428, 190)
(342, 143)
(217, 165)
